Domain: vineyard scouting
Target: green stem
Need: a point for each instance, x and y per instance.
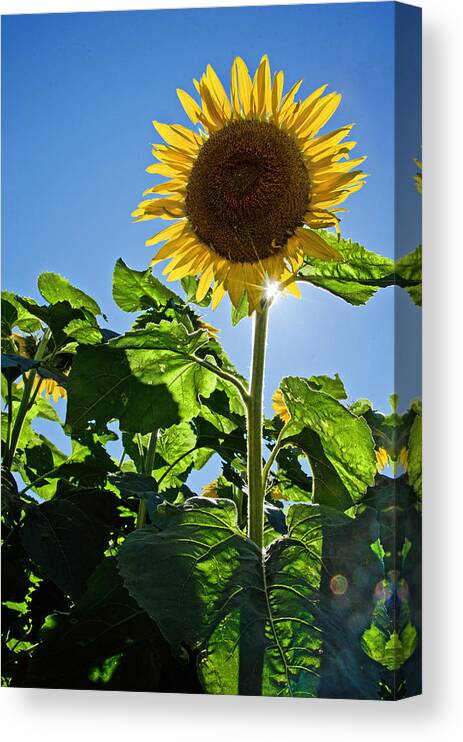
(19, 420)
(24, 404)
(32, 484)
(254, 424)
(225, 375)
(147, 468)
(150, 454)
(10, 416)
(273, 454)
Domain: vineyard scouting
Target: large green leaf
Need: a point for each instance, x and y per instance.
(54, 288)
(66, 321)
(408, 270)
(147, 379)
(329, 384)
(206, 584)
(66, 537)
(277, 623)
(175, 451)
(339, 445)
(361, 273)
(356, 278)
(106, 642)
(14, 314)
(290, 482)
(134, 291)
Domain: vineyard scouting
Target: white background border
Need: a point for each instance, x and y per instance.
(38, 715)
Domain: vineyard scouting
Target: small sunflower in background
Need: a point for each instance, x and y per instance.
(49, 388)
(250, 186)
(210, 490)
(382, 458)
(279, 406)
(418, 178)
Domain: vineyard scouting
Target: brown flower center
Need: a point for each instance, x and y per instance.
(248, 190)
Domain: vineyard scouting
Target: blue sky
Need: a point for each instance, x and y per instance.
(79, 94)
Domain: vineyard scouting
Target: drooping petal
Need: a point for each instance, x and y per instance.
(316, 247)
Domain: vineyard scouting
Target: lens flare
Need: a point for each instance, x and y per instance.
(339, 585)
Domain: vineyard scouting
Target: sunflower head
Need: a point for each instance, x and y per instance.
(279, 406)
(249, 185)
(210, 490)
(48, 388)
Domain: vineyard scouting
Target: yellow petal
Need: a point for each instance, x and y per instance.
(204, 283)
(192, 109)
(218, 293)
(160, 169)
(169, 186)
(190, 254)
(326, 142)
(241, 87)
(288, 102)
(320, 115)
(293, 288)
(316, 247)
(178, 136)
(162, 208)
(218, 92)
(211, 107)
(277, 91)
(234, 284)
(174, 246)
(173, 230)
(261, 94)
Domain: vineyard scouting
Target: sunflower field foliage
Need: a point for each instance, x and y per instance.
(296, 572)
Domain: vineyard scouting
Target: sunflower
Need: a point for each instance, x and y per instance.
(382, 458)
(249, 186)
(279, 406)
(418, 178)
(48, 388)
(210, 490)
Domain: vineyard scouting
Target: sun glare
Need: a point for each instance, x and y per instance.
(272, 289)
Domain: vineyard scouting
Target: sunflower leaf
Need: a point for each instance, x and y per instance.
(241, 310)
(134, 291)
(205, 583)
(147, 379)
(20, 318)
(356, 278)
(105, 629)
(66, 537)
(262, 623)
(329, 385)
(190, 286)
(408, 269)
(339, 445)
(55, 288)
